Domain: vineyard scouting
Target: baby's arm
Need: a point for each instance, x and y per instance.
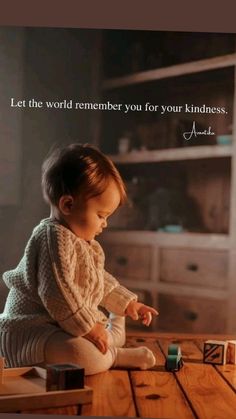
(137, 310)
(58, 285)
(98, 335)
(120, 300)
(116, 297)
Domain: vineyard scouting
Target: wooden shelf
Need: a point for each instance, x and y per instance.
(172, 71)
(173, 154)
(209, 178)
(176, 289)
(185, 239)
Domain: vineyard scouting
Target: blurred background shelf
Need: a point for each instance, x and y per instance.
(173, 183)
(187, 153)
(172, 71)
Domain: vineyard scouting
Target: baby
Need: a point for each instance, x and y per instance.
(52, 313)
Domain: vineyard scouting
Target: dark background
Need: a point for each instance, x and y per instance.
(168, 15)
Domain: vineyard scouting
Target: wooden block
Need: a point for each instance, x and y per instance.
(1, 370)
(215, 352)
(64, 377)
(231, 352)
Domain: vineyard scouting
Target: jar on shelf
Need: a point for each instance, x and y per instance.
(124, 142)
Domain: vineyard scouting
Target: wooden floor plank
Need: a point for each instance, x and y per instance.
(228, 371)
(67, 410)
(189, 349)
(150, 343)
(207, 391)
(112, 395)
(206, 380)
(178, 336)
(198, 390)
(158, 395)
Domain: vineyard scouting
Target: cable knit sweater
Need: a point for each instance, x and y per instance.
(58, 284)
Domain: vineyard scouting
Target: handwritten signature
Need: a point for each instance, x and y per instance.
(188, 135)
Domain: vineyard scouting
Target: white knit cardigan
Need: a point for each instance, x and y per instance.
(59, 284)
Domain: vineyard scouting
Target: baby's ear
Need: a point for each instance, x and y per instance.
(65, 204)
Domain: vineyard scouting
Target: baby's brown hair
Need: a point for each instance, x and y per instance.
(78, 169)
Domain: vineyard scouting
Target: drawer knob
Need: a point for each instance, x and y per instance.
(190, 315)
(122, 260)
(192, 267)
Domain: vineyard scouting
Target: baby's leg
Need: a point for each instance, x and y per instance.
(116, 330)
(140, 357)
(63, 348)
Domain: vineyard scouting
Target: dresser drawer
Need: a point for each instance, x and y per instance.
(128, 261)
(191, 314)
(194, 267)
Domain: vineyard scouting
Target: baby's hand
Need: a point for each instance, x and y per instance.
(98, 335)
(137, 310)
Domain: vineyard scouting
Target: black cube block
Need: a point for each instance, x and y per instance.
(64, 377)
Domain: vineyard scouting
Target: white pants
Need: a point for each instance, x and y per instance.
(63, 348)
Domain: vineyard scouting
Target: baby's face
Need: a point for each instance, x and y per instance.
(90, 220)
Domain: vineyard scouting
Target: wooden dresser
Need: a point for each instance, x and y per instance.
(188, 274)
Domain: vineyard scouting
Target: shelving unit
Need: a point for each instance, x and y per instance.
(215, 63)
(190, 274)
(173, 154)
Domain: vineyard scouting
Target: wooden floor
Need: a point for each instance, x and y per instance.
(196, 391)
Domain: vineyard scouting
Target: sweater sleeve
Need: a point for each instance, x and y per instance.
(116, 297)
(58, 282)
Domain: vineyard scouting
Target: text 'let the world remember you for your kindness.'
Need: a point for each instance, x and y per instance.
(115, 107)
